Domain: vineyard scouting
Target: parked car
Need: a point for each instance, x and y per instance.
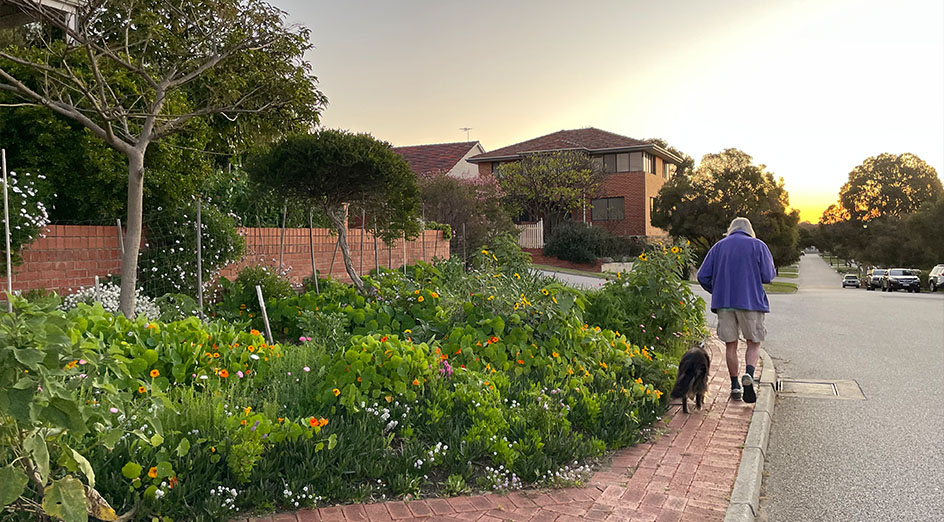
(850, 280)
(873, 278)
(901, 279)
(936, 278)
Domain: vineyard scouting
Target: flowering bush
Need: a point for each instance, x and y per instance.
(28, 215)
(108, 294)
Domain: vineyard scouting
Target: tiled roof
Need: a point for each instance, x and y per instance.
(439, 157)
(588, 138)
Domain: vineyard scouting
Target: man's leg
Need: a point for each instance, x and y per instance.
(731, 358)
(750, 360)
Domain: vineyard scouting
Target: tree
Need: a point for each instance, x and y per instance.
(473, 203)
(724, 186)
(687, 165)
(549, 184)
(331, 169)
(134, 72)
(889, 185)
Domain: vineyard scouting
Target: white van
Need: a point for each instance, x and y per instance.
(936, 278)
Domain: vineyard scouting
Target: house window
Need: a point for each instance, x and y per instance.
(607, 209)
(648, 163)
(652, 205)
(616, 163)
(665, 169)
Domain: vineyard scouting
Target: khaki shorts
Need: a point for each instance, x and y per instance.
(749, 322)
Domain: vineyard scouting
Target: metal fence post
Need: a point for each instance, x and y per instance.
(199, 258)
(6, 228)
(282, 237)
(311, 247)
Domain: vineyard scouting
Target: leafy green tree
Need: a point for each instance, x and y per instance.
(331, 169)
(889, 185)
(549, 184)
(134, 72)
(724, 186)
(687, 165)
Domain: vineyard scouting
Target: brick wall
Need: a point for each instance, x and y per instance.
(70, 256)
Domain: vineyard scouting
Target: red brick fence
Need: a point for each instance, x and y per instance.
(70, 256)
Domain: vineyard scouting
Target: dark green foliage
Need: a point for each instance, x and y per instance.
(576, 242)
(238, 301)
(725, 186)
(889, 185)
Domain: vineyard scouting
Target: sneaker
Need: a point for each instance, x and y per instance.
(736, 394)
(748, 382)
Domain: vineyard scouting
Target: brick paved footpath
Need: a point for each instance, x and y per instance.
(686, 474)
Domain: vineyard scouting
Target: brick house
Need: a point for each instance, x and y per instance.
(450, 158)
(636, 170)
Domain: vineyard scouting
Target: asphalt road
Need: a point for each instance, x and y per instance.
(841, 460)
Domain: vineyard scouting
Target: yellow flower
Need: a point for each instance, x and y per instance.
(517, 276)
(544, 291)
(141, 389)
(554, 299)
(152, 472)
(336, 392)
(555, 354)
(516, 306)
(434, 295)
(658, 394)
(485, 252)
(490, 298)
(406, 331)
(416, 292)
(639, 380)
(253, 332)
(675, 250)
(420, 299)
(247, 410)
(603, 364)
(495, 258)
(643, 257)
(155, 373)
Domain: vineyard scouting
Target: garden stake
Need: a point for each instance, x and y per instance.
(311, 248)
(363, 228)
(376, 254)
(265, 316)
(423, 242)
(404, 253)
(6, 227)
(464, 257)
(199, 260)
(282, 238)
(333, 256)
(121, 241)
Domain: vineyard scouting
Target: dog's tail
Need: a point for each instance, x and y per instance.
(683, 383)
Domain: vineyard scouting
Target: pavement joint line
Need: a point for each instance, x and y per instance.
(745, 497)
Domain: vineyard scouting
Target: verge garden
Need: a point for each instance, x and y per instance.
(439, 381)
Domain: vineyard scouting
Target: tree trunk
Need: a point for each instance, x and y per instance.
(132, 239)
(337, 217)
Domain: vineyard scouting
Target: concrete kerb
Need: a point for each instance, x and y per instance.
(745, 497)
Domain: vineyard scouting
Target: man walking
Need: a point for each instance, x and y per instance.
(733, 273)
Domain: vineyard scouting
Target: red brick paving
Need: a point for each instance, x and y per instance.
(686, 473)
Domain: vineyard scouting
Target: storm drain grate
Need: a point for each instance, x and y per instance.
(820, 389)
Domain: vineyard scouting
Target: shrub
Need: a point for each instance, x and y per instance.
(575, 242)
(107, 294)
(168, 261)
(652, 305)
(28, 215)
(238, 300)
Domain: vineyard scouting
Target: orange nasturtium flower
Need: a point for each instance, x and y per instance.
(224, 374)
(383, 339)
(336, 392)
(520, 361)
(152, 472)
(434, 294)
(141, 389)
(493, 340)
(639, 380)
(313, 422)
(254, 332)
(242, 422)
(420, 299)
(416, 382)
(155, 373)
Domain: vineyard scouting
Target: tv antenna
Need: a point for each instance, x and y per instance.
(466, 129)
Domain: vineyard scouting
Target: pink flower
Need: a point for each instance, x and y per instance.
(308, 338)
(240, 374)
(83, 361)
(307, 369)
(302, 339)
(113, 409)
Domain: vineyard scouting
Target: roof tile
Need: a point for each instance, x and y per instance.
(439, 157)
(589, 138)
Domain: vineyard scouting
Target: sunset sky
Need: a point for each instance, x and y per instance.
(808, 88)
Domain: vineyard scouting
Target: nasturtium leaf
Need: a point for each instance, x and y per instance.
(164, 469)
(12, 484)
(183, 447)
(131, 470)
(111, 438)
(65, 499)
(156, 440)
(150, 356)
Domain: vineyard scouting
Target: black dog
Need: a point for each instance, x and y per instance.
(692, 379)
